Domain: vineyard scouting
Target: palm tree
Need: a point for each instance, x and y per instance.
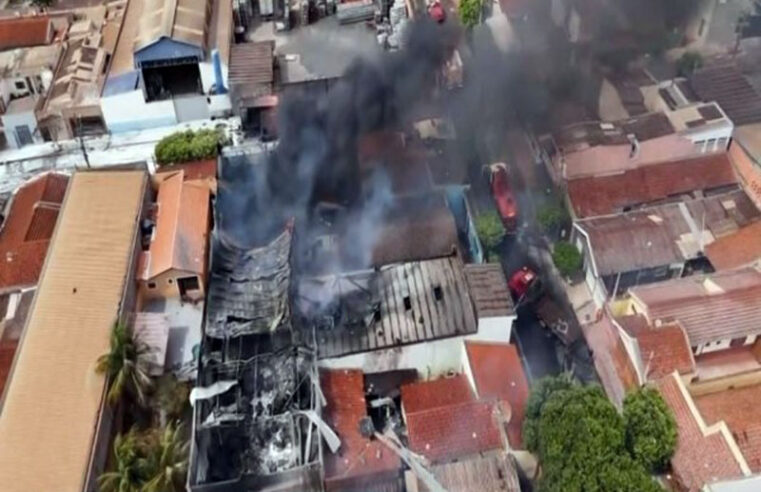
(168, 461)
(125, 366)
(130, 467)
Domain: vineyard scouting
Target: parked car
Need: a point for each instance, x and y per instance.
(504, 199)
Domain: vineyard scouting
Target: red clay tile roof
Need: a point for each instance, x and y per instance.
(345, 395)
(441, 392)
(610, 194)
(665, 350)
(701, 455)
(739, 409)
(454, 431)
(719, 306)
(20, 32)
(182, 227)
(205, 169)
(498, 374)
(27, 230)
(740, 248)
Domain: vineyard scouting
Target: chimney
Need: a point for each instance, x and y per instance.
(634, 151)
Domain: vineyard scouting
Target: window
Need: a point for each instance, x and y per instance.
(437, 293)
(151, 285)
(20, 85)
(407, 303)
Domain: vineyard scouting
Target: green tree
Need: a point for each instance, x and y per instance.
(650, 429)
(130, 466)
(42, 4)
(172, 398)
(168, 461)
(566, 258)
(189, 146)
(490, 231)
(124, 365)
(470, 12)
(688, 63)
(541, 391)
(581, 440)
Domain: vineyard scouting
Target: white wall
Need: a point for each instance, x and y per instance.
(207, 75)
(11, 121)
(712, 347)
(129, 111)
(431, 359)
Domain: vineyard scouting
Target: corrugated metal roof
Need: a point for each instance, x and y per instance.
(251, 72)
(53, 401)
(25, 31)
(722, 82)
(186, 21)
(488, 289)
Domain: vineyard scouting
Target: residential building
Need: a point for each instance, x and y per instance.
(634, 188)
(704, 453)
(24, 239)
(23, 32)
(175, 262)
(87, 285)
(738, 249)
(362, 462)
(494, 472)
(745, 484)
(26, 75)
(658, 242)
(169, 64)
(72, 106)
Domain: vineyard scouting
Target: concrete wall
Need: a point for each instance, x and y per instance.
(430, 359)
(129, 112)
(166, 285)
(609, 105)
(11, 121)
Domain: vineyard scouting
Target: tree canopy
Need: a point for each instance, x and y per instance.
(470, 12)
(650, 429)
(490, 231)
(581, 440)
(189, 146)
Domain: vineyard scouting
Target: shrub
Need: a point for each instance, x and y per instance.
(490, 231)
(188, 146)
(470, 12)
(688, 63)
(650, 429)
(551, 216)
(566, 258)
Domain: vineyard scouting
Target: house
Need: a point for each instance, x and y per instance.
(634, 188)
(72, 106)
(24, 239)
(722, 81)
(738, 249)
(657, 242)
(411, 315)
(495, 372)
(494, 472)
(85, 287)
(704, 453)
(455, 424)
(174, 264)
(170, 64)
(25, 78)
(361, 461)
(252, 78)
(23, 32)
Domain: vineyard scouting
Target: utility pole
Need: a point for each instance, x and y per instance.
(82, 141)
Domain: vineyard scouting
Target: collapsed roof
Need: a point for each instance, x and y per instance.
(248, 291)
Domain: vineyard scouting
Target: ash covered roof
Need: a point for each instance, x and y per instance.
(248, 289)
(724, 83)
(488, 289)
(394, 305)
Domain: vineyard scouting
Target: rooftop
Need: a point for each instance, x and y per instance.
(78, 300)
(663, 350)
(393, 305)
(14, 308)
(741, 248)
(30, 61)
(498, 374)
(251, 72)
(605, 195)
(584, 135)
(719, 306)
(491, 473)
(20, 32)
(185, 21)
(703, 454)
(722, 82)
(425, 395)
(454, 431)
(182, 228)
(488, 289)
(665, 234)
(248, 288)
(738, 408)
(358, 456)
(27, 229)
